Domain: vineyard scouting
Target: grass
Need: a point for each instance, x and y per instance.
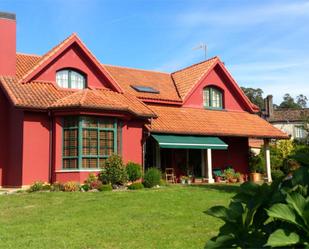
(170, 217)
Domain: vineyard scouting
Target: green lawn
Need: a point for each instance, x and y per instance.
(170, 217)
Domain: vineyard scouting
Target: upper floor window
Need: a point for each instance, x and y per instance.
(212, 98)
(299, 132)
(68, 78)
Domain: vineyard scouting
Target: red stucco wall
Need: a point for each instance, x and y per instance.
(15, 132)
(35, 148)
(216, 77)
(73, 57)
(132, 133)
(4, 138)
(236, 155)
(7, 47)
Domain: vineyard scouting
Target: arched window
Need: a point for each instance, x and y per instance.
(212, 98)
(68, 78)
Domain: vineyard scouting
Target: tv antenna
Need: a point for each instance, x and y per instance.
(202, 46)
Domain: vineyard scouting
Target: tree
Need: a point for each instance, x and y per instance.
(289, 102)
(301, 100)
(255, 95)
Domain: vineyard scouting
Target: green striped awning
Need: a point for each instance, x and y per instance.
(189, 142)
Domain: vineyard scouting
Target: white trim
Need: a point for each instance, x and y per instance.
(267, 162)
(218, 145)
(209, 167)
(77, 170)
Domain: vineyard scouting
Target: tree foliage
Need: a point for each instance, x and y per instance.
(289, 102)
(255, 95)
(263, 216)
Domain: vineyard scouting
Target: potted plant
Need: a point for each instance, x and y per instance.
(189, 179)
(217, 175)
(239, 177)
(183, 179)
(230, 175)
(256, 167)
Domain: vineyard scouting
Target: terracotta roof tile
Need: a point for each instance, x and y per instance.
(104, 99)
(256, 143)
(45, 95)
(181, 120)
(157, 80)
(185, 79)
(289, 115)
(24, 63)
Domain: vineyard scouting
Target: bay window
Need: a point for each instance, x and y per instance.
(88, 141)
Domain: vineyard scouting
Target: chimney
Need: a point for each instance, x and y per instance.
(269, 107)
(7, 44)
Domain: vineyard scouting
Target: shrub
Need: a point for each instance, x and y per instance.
(85, 187)
(91, 178)
(95, 185)
(277, 174)
(105, 187)
(114, 171)
(136, 185)
(133, 171)
(36, 186)
(71, 187)
(152, 178)
(266, 216)
(57, 186)
(46, 187)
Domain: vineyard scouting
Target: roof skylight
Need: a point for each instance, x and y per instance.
(145, 89)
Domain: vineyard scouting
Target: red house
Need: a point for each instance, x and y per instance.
(63, 113)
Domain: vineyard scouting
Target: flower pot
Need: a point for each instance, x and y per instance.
(189, 181)
(255, 177)
(232, 180)
(218, 178)
(183, 181)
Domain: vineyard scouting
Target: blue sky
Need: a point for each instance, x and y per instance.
(263, 43)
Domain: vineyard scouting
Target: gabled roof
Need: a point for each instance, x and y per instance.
(289, 115)
(46, 96)
(183, 120)
(56, 51)
(189, 78)
(186, 78)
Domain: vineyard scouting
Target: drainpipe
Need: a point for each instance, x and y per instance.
(51, 127)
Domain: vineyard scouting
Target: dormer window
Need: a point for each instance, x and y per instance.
(212, 98)
(68, 78)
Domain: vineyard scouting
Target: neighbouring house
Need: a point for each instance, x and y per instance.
(290, 121)
(63, 113)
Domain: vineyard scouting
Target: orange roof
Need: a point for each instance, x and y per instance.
(256, 143)
(182, 120)
(24, 63)
(185, 79)
(45, 95)
(103, 99)
(162, 82)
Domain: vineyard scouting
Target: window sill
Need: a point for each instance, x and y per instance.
(77, 170)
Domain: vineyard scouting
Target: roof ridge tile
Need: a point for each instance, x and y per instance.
(195, 64)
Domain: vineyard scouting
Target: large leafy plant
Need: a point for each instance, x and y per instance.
(263, 216)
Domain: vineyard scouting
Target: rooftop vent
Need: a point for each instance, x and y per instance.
(145, 89)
